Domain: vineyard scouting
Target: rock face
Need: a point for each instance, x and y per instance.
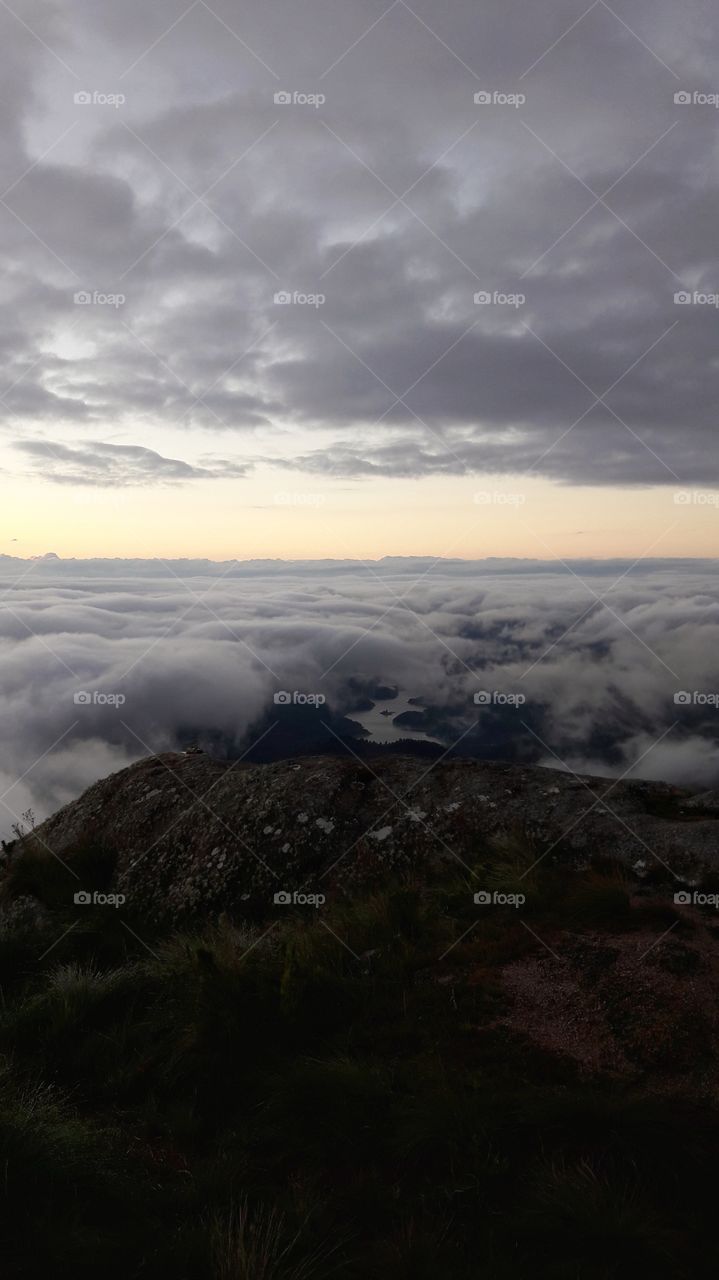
(707, 802)
(187, 834)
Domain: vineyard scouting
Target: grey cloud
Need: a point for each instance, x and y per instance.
(306, 209)
(116, 465)
(625, 460)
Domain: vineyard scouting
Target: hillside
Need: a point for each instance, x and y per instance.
(481, 1042)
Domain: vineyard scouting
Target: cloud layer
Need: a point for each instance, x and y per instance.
(197, 198)
(598, 653)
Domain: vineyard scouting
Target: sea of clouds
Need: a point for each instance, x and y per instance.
(106, 661)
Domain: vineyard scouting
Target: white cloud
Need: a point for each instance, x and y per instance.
(197, 647)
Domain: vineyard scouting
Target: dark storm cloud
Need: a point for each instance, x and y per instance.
(599, 654)
(397, 199)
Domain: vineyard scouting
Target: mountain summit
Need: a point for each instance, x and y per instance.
(185, 834)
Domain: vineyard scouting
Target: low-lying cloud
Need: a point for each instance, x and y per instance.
(106, 661)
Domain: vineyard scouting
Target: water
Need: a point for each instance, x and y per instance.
(382, 727)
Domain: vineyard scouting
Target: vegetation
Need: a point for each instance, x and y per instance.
(331, 1094)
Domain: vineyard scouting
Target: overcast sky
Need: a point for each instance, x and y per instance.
(151, 163)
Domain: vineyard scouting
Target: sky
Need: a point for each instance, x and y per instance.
(353, 280)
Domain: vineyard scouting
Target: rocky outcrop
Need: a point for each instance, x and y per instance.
(188, 834)
(707, 803)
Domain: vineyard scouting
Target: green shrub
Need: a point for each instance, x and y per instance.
(336, 1110)
(579, 1221)
(256, 1243)
(35, 870)
(69, 1201)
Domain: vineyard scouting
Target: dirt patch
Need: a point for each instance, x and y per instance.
(630, 1005)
